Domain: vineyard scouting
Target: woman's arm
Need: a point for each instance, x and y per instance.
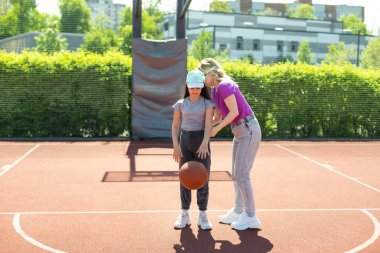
(217, 118)
(203, 148)
(177, 153)
(231, 104)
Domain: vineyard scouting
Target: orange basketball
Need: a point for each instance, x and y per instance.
(193, 175)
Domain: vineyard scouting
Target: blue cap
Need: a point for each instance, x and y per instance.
(195, 79)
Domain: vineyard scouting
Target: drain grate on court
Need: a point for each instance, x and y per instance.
(156, 176)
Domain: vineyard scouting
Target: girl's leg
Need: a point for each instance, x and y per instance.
(203, 193)
(187, 156)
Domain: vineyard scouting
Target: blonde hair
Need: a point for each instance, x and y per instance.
(211, 67)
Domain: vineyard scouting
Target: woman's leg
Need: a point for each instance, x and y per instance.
(239, 205)
(248, 140)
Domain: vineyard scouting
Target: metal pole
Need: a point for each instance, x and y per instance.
(180, 25)
(136, 19)
(357, 50)
(213, 37)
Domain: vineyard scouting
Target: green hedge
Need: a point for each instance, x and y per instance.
(304, 101)
(65, 95)
(88, 95)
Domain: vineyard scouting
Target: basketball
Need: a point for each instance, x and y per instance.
(193, 175)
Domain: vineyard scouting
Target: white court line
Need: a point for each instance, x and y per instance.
(374, 236)
(191, 210)
(6, 168)
(17, 227)
(330, 168)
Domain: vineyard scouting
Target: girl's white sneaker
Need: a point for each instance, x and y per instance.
(182, 221)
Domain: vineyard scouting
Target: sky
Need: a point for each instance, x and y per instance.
(371, 7)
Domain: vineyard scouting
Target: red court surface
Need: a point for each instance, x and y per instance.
(124, 197)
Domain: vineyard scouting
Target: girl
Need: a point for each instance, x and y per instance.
(191, 141)
(231, 105)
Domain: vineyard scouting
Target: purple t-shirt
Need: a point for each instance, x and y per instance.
(225, 89)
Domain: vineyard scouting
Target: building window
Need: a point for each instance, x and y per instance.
(280, 46)
(166, 26)
(222, 47)
(239, 43)
(294, 46)
(256, 45)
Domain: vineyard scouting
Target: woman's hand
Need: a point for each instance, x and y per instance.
(203, 151)
(214, 132)
(177, 153)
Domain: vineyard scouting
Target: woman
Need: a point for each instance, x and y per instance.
(191, 141)
(232, 108)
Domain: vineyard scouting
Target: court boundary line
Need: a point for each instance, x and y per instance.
(17, 224)
(20, 231)
(373, 238)
(328, 167)
(5, 168)
(191, 210)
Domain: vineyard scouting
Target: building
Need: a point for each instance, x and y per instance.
(107, 7)
(321, 11)
(268, 39)
(24, 41)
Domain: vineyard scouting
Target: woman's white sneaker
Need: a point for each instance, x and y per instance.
(246, 222)
(182, 221)
(230, 217)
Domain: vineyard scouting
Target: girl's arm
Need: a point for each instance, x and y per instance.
(203, 148)
(232, 114)
(177, 153)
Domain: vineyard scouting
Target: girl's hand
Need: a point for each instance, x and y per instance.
(203, 151)
(177, 154)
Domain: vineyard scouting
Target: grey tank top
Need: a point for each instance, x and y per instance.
(193, 113)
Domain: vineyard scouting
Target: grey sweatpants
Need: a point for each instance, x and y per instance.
(247, 137)
(189, 143)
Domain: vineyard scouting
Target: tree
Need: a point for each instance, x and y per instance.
(150, 23)
(219, 6)
(267, 12)
(354, 24)
(25, 10)
(50, 41)
(7, 21)
(4, 6)
(19, 16)
(100, 38)
(305, 11)
(152, 19)
(202, 47)
(75, 16)
(126, 39)
(304, 53)
(338, 54)
(43, 21)
(370, 57)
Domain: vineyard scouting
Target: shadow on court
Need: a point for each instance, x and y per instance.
(250, 242)
(147, 149)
